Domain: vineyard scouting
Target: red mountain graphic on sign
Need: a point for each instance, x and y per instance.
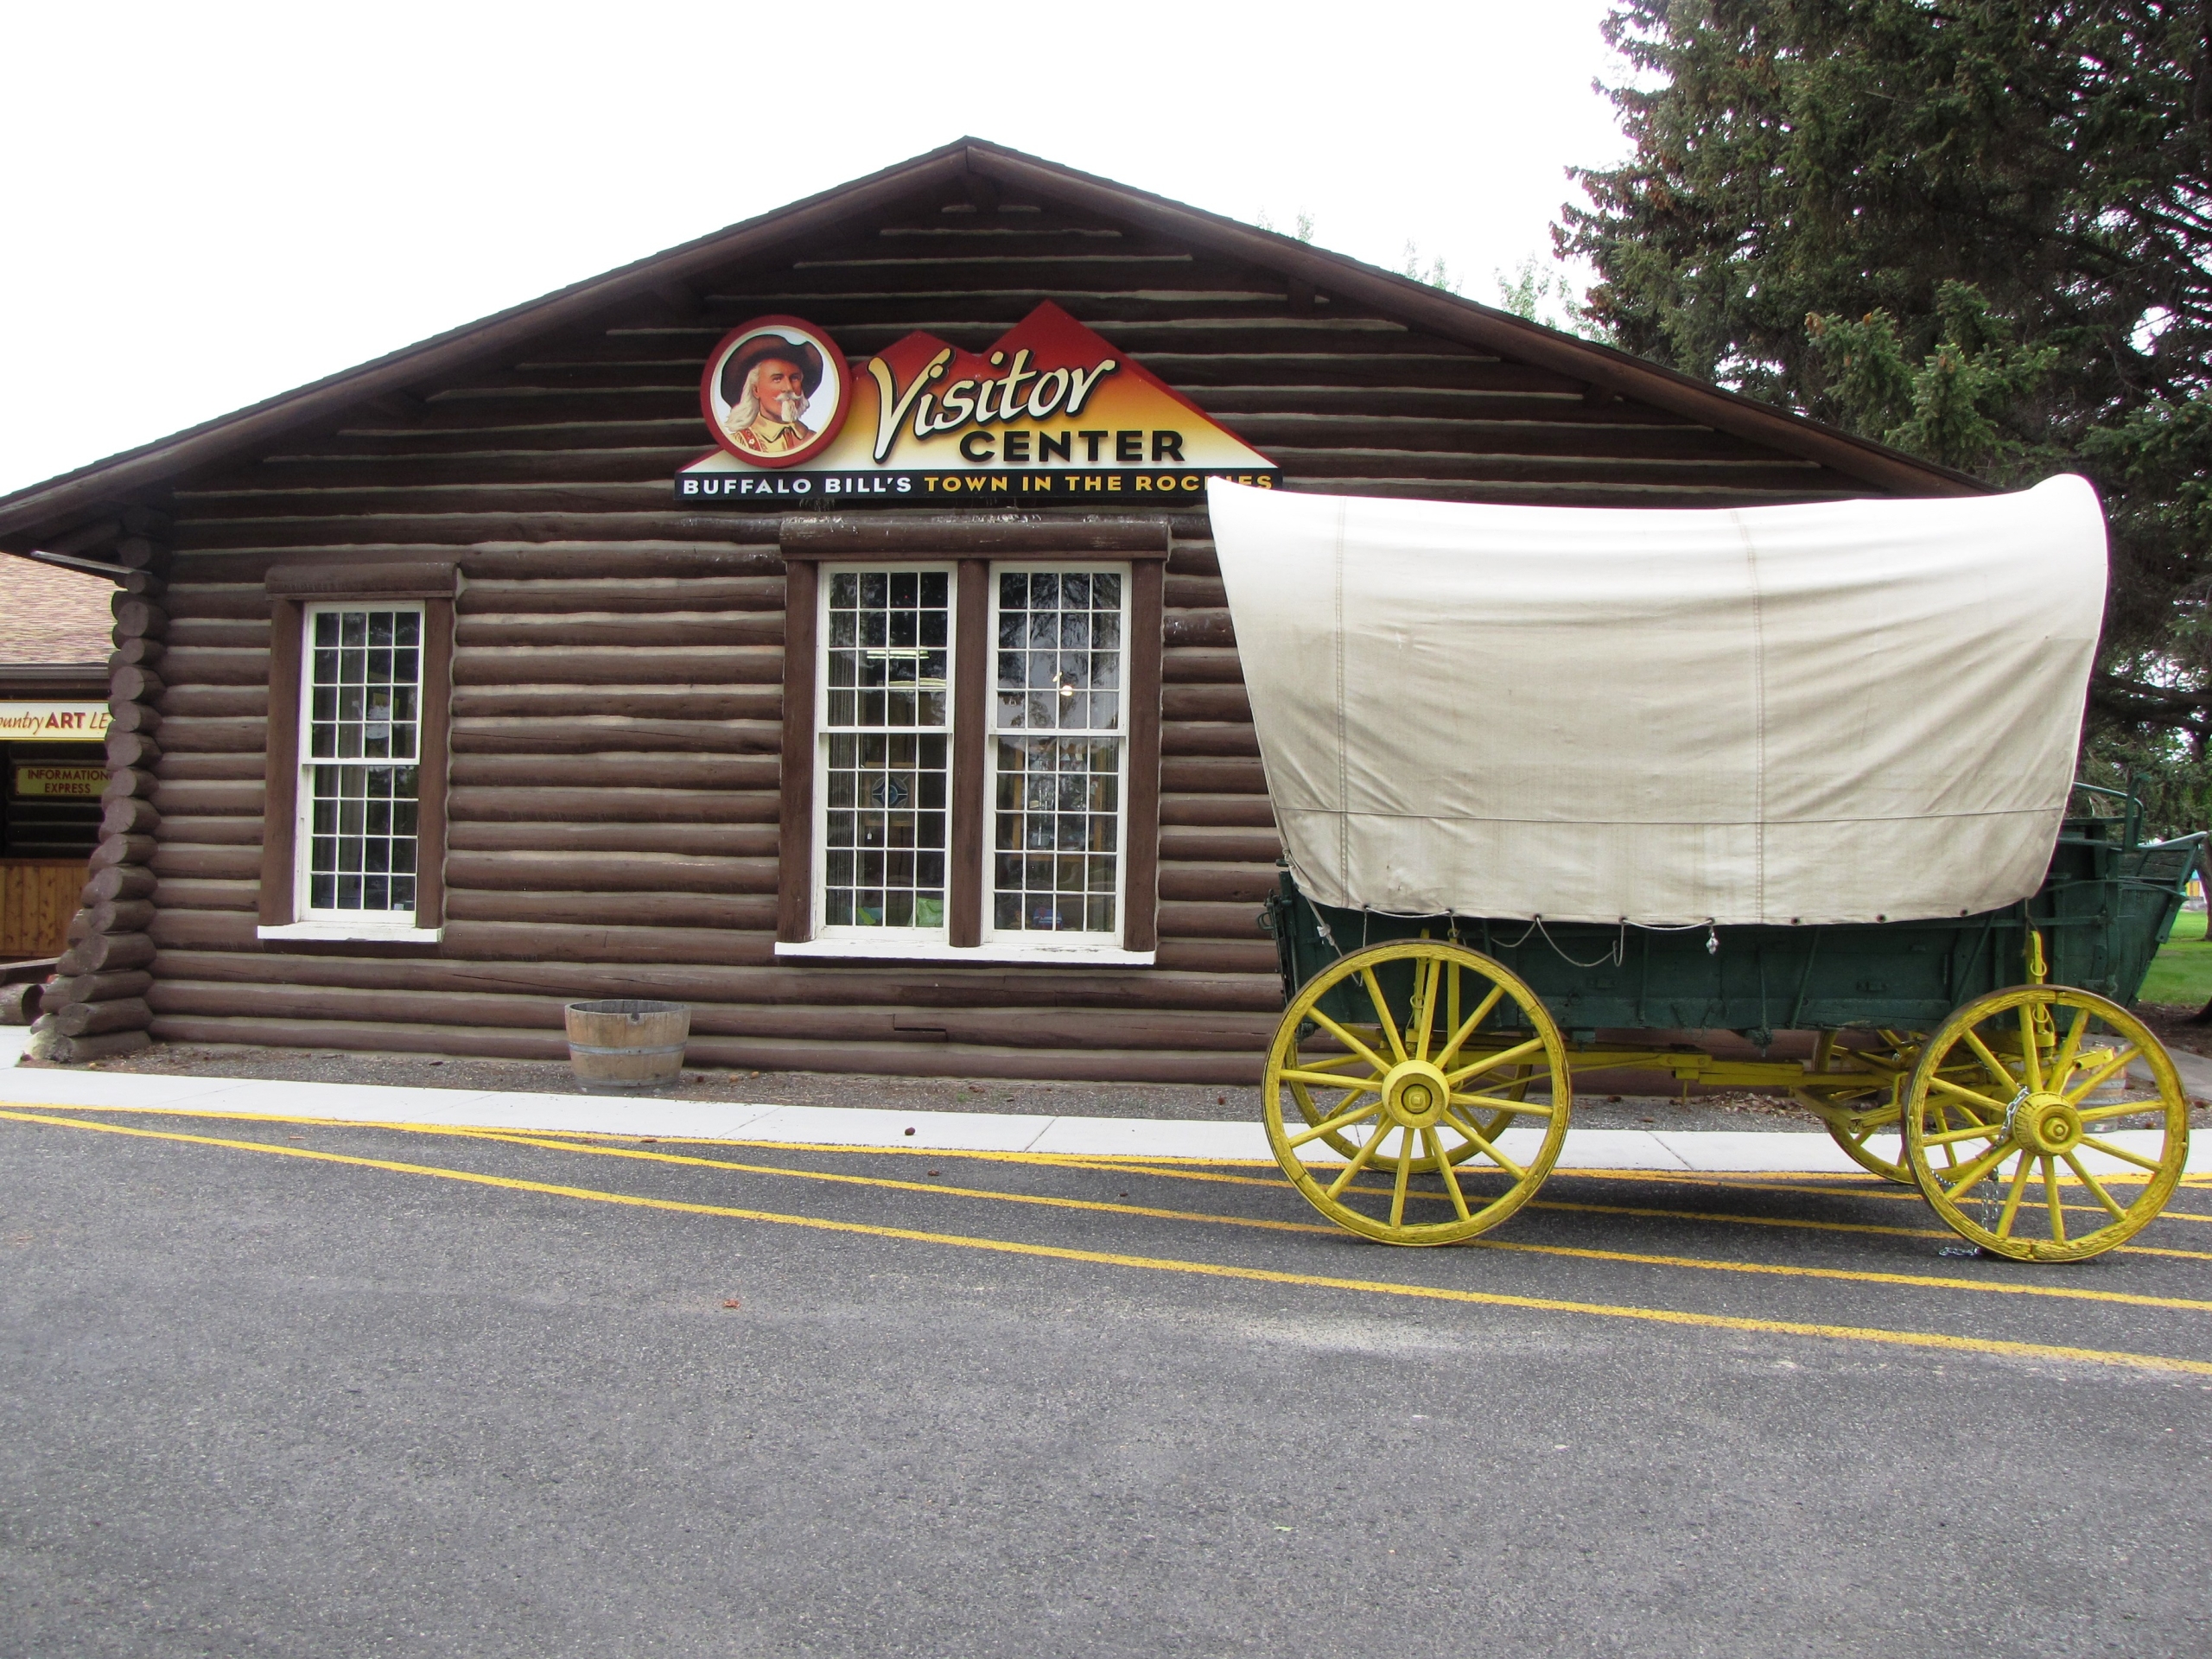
(1054, 340)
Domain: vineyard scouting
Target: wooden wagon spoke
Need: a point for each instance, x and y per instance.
(1466, 1027)
(2031, 1050)
(2121, 1108)
(1866, 1122)
(2050, 1194)
(1997, 1068)
(1970, 1173)
(1979, 1132)
(2096, 1187)
(1488, 1147)
(2012, 1197)
(1350, 1042)
(2062, 1065)
(1323, 1064)
(1360, 1159)
(1435, 1144)
(1342, 1121)
(1425, 1010)
(2094, 1080)
(1330, 1080)
(2120, 1152)
(1945, 1086)
(1405, 1172)
(1382, 1013)
(1519, 1108)
(1504, 1057)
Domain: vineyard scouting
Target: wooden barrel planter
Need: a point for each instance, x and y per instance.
(622, 1045)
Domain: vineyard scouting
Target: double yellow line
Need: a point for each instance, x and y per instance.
(2003, 1288)
(1937, 1340)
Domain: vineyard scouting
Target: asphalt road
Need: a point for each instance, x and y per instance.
(436, 1394)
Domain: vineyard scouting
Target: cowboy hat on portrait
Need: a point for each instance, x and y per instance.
(759, 350)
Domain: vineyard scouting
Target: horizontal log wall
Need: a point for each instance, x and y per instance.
(616, 702)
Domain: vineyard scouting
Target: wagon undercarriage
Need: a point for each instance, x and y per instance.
(1419, 1089)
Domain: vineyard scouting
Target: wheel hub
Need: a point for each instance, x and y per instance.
(2045, 1123)
(1415, 1093)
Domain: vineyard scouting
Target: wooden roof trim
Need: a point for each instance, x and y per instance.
(411, 579)
(58, 502)
(1474, 324)
(849, 535)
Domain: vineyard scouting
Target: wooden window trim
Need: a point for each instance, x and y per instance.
(971, 654)
(291, 590)
(972, 549)
(828, 536)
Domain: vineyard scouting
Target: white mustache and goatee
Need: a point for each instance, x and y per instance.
(786, 407)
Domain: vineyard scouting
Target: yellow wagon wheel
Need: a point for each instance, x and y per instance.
(2025, 1132)
(1374, 1107)
(1318, 1108)
(1854, 1116)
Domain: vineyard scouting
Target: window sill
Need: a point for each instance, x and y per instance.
(1019, 956)
(353, 931)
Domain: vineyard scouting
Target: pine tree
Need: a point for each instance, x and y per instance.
(1979, 230)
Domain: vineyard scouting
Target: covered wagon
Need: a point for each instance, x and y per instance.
(1552, 780)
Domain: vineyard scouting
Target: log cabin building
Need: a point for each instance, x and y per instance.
(463, 683)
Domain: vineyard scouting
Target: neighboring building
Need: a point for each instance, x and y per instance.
(53, 651)
(457, 686)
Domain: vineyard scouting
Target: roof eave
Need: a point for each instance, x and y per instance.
(1473, 323)
(57, 503)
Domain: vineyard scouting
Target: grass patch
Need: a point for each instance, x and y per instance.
(2180, 974)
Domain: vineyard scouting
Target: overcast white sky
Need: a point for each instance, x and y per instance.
(209, 203)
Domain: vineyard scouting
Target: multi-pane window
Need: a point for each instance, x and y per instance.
(359, 753)
(1035, 782)
(887, 748)
(1058, 741)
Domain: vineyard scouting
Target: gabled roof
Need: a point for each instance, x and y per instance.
(30, 516)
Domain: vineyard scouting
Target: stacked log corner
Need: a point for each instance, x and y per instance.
(95, 1006)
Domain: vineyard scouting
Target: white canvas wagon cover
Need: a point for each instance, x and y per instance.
(1849, 712)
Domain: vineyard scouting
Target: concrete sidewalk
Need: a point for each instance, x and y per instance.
(1710, 1151)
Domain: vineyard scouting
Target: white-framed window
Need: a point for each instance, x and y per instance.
(359, 759)
(884, 753)
(973, 742)
(1057, 762)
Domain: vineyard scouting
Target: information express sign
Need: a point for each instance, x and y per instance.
(61, 782)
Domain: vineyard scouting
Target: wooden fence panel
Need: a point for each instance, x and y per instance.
(37, 898)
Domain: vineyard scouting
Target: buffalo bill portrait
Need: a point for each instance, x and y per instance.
(767, 384)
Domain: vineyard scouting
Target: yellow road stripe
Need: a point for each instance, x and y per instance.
(1842, 1183)
(1639, 1258)
(1049, 1159)
(582, 1142)
(1810, 1226)
(1168, 1264)
(941, 1188)
(1922, 1281)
